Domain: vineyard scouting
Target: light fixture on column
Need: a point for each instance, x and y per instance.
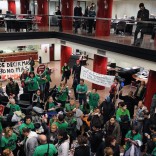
(105, 4)
(67, 4)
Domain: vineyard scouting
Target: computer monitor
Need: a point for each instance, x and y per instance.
(28, 12)
(113, 65)
(8, 12)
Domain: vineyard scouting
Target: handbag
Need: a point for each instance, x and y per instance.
(15, 118)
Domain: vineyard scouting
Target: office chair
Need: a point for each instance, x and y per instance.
(121, 27)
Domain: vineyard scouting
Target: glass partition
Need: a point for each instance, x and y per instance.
(121, 31)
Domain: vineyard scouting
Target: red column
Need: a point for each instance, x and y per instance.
(67, 10)
(66, 52)
(43, 10)
(150, 89)
(12, 6)
(24, 6)
(104, 11)
(99, 66)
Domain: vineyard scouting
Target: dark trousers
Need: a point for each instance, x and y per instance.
(153, 33)
(90, 25)
(64, 77)
(31, 95)
(75, 93)
(77, 24)
(139, 28)
(124, 129)
(83, 100)
(60, 25)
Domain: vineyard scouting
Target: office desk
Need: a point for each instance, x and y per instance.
(17, 24)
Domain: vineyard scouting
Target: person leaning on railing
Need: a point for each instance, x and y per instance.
(143, 15)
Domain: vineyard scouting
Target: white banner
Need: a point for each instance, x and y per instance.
(99, 79)
(13, 69)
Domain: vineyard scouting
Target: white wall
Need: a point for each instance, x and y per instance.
(57, 52)
(4, 6)
(131, 7)
(44, 54)
(18, 6)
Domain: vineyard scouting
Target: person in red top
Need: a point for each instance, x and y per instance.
(113, 89)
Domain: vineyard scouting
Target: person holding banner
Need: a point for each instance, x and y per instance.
(32, 82)
(32, 63)
(82, 90)
(114, 90)
(12, 88)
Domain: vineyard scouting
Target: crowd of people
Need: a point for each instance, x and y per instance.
(56, 123)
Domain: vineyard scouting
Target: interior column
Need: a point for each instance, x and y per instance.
(12, 6)
(99, 66)
(43, 10)
(67, 10)
(24, 6)
(104, 11)
(66, 52)
(150, 89)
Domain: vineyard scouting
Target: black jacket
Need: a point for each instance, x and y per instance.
(77, 11)
(96, 141)
(143, 14)
(58, 13)
(142, 93)
(83, 150)
(130, 102)
(12, 88)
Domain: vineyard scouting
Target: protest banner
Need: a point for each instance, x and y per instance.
(99, 79)
(13, 69)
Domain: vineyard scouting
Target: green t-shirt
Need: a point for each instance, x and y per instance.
(40, 80)
(83, 89)
(94, 99)
(1, 129)
(69, 107)
(51, 105)
(132, 137)
(119, 113)
(32, 83)
(64, 94)
(42, 149)
(14, 108)
(9, 142)
(24, 125)
(62, 125)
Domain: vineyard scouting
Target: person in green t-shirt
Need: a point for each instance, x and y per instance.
(45, 148)
(13, 107)
(82, 89)
(27, 123)
(61, 123)
(123, 117)
(132, 136)
(69, 107)
(32, 83)
(42, 81)
(93, 98)
(50, 107)
(63, 90)
(9, 140)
